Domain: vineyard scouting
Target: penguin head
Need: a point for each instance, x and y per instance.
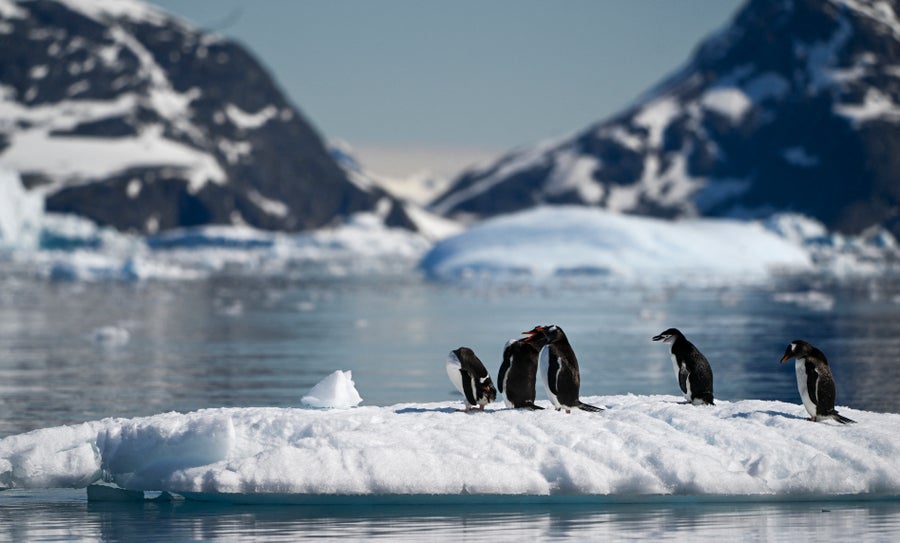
(535, 335)
(488, 390)
(797, 349)
(668, 336)
(463, 352)
(545, 334)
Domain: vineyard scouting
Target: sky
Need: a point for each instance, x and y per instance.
(417, 85)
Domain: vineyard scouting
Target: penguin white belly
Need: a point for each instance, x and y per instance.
(454, 373)
(544, 370)
(800, 370)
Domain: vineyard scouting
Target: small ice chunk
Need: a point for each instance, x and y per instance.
(110, 336)
(335, 391)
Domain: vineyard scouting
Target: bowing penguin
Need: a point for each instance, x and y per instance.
(518, 374)
(558, 366)
(814, 380)
(470, 378)
(691, 368)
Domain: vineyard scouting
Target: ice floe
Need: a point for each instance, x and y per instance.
(640, 446)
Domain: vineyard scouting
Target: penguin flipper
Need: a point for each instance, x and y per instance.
(501, 376)
(553, 373)
(683, 376)
(468, 383)
(591, 408)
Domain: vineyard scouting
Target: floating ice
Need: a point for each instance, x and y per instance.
(541, 243)
(641, 446)
(110, 336)
(65, 247)
(568, 240)
(335, 391)
(20, 213)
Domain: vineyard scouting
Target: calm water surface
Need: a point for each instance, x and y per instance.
(71, 352)
(67, 516)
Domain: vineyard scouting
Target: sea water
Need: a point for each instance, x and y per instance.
(78, 351)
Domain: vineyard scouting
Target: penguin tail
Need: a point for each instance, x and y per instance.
(707, 399)
(530, 406)
(588, 407)
(842, 419)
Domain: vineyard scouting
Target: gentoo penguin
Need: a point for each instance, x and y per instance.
(559, 368)
(691, 368)
(814, 380)
(518, 373)
(470, 378)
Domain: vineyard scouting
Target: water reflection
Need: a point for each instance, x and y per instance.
(27, 517)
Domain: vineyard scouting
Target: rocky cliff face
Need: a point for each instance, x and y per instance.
(794, 106)
(122, 114)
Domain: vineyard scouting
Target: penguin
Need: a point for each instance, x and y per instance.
(692, 370)
(470, 378)
(518, 374)
(814, 380)
(559, 368)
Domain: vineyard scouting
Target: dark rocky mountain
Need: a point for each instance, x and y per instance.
(794, 106)
(123, 114)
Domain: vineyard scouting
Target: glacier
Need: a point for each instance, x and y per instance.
(642, 447)
(547, 242)
(553, 242)
(67, 247)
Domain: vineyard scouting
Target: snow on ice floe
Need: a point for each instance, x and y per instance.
(337, 391)
(640, 446)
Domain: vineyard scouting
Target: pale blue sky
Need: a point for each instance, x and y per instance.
(472, 76)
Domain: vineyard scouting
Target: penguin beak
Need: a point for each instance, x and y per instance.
(658, 338)
(785, 358)
(533, 332)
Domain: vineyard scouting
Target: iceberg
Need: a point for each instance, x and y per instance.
(337, 391)
(565, 241)
(642, 447)
(70, 248)
(21, 213)
(548, 242)
(568, 240)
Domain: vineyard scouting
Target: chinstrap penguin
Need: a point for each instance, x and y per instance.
(470, 378)
(518, 374)
(692, 370)
(558, 366)
(814, 380)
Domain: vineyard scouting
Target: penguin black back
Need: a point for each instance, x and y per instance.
(558, 365)
(518, 374)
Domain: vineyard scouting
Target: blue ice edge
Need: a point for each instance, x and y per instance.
(498, 500)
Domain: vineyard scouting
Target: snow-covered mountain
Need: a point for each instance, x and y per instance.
(794, 106)
(120, 113)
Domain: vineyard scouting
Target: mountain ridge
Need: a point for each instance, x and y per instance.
(121, 113)
(793, 106)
